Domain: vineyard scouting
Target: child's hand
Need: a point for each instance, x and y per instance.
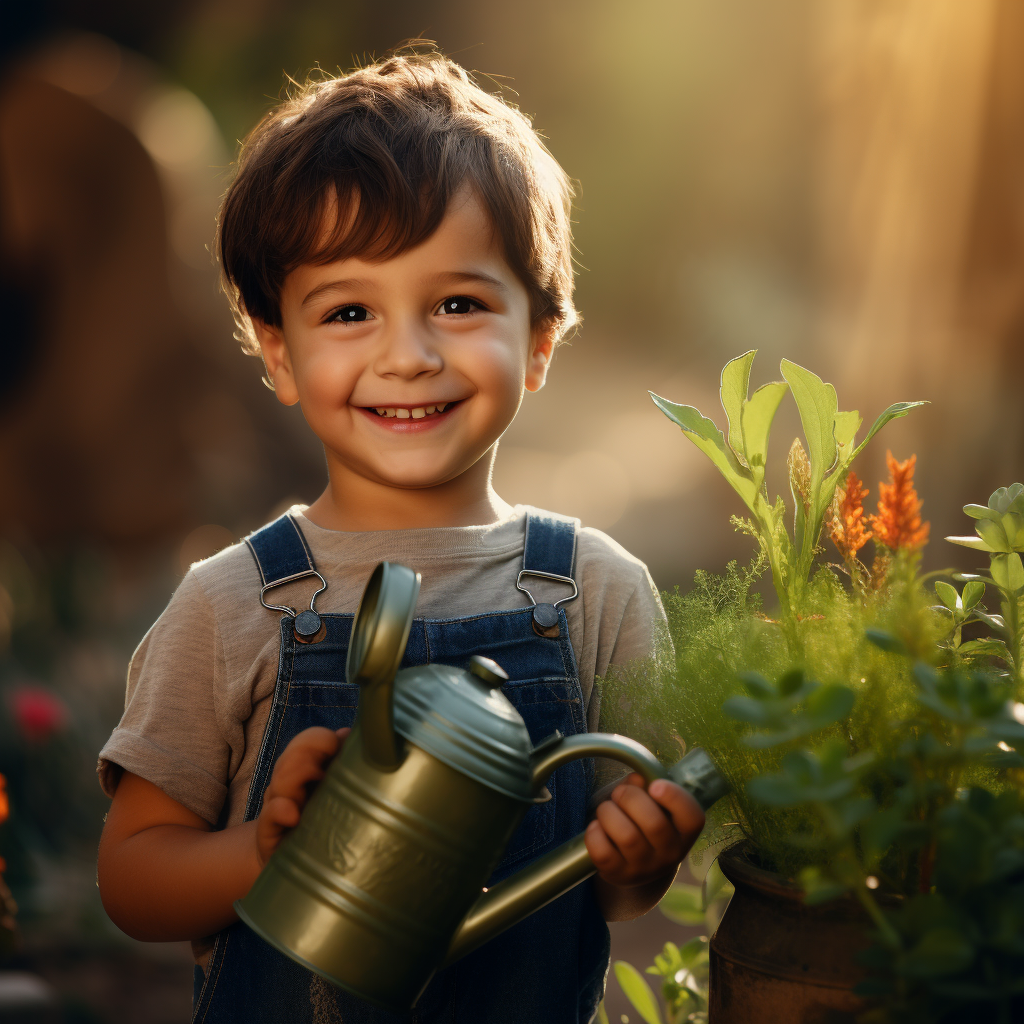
(303, 762)
(640, 836)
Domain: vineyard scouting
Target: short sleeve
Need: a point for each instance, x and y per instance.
(169, 733)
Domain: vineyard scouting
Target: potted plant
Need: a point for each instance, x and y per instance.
(875, 834)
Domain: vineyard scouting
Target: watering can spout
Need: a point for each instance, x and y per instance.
(547, 878)
(380, 632)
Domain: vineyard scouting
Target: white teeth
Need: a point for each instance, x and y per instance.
(381, 412)
(403, 414)
(443, 406)
(389, 413)
(418, 414)
(430, 409)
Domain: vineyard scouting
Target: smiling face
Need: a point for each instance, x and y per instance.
(409, 369)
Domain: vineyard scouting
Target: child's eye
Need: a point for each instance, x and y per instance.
(351, 314)
(459, 304)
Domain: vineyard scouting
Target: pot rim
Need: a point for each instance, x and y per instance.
(737, 866)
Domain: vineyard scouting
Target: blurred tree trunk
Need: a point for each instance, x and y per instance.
(919, 156)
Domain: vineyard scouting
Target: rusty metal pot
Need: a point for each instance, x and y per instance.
(775, 960)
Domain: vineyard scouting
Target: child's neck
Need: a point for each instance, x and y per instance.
(352, 503)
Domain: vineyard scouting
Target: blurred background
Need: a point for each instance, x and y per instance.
(840, 182)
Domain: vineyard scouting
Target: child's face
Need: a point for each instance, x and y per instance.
(409, 370)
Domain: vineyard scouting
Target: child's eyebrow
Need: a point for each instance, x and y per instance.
(330, 286)
(467, 276)
(448, 276)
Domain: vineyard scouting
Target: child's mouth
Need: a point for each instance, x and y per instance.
(405, 418)
(416, 412)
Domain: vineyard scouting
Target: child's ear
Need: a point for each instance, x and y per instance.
(542, 346)
(276, 360)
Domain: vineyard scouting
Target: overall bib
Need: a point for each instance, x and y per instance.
(549, 968)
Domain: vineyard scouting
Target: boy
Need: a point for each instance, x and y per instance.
(396, 245)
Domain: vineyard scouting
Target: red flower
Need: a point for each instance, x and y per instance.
(38, 712)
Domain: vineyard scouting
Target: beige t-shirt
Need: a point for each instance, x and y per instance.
(200, 685)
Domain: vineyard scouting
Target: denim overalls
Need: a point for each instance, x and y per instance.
(549, 968)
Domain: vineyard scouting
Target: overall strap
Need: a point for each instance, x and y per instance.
(282, 555)
(549, 554)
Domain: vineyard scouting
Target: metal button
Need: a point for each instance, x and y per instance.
(309, 628)
(489, 671)
(545, 620)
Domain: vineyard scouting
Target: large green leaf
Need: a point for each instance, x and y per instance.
(818, 406)
(735, 385)
(894, 412)
(637, 991)
(757, 416)
(710, 440)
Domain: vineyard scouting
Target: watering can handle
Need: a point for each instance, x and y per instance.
(548, 877)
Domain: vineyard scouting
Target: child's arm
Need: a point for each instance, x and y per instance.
(164, 874)
(637, 840)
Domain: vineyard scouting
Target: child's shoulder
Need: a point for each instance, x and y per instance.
(596, 552)
(604, 569)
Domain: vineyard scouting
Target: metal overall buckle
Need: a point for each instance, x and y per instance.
(545, 616)
(308, 627)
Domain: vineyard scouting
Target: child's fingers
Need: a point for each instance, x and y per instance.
(280, 814)
(685, 812)
(629, 840)
(603, 853)
(649, 816)
(303, 761)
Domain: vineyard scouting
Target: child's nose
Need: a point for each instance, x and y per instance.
(407, 351)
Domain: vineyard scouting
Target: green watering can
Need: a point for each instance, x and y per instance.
(382, 881)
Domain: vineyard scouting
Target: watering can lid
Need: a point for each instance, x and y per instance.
(464, 720)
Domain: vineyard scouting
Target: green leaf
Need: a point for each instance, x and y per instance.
(1007, 572)
(828, 704)
(602, 1014)
(894, 412)
(791, 681)
(948, 596)
(693, 951)
(735, 385)
(1005, 498)
(993, 535)
(973, 593)
(747, 709)
(683, 904)
(710, 440)
(818, 888)
(985, 648)
(970, 542)
(757, 416)
(756, 685)
(940, 951)
(846, 426)
(818, 405)
(637, 991)
(886, 641)
(981, 512)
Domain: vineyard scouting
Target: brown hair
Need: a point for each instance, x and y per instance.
(382, 150)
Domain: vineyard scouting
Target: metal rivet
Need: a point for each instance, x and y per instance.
(309, 628)
(545, 620)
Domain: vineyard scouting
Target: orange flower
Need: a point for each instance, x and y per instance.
(898, 523)
(5, 807)
(847, 527)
